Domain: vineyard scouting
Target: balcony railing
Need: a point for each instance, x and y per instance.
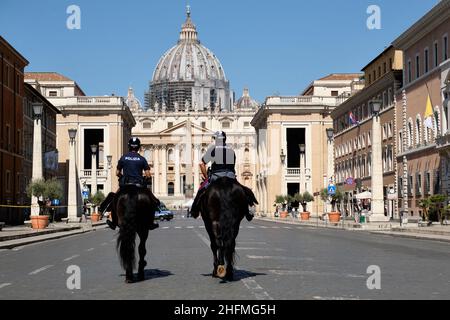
(302, 100)
(443, 141)
(293, 172)
(87, 101)
(87, 174)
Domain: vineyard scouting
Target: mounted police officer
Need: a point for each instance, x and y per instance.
(129, 171)
(223, 159)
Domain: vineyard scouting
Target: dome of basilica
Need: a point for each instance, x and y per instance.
(189, 60)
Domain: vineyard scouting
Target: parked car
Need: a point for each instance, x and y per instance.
(163, 213)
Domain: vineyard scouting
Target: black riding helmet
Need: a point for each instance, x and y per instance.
(134, 144)
(220, 136)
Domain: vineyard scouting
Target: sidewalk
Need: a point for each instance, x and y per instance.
(11, 237)
(412, 230)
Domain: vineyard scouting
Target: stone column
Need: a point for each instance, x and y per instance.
(197, 148)
(377, 204)
(177, 171)
(156, 189)
(37, 160)
(73, 183)
(189, 190)
(163, 185)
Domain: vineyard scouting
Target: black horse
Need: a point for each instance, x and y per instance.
(135, 208)
(223, 206)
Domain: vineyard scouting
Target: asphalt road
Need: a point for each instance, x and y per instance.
(274, 261)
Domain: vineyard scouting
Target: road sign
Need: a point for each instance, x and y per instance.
(350, 181)
(331, 189)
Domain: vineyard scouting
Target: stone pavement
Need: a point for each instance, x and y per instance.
(411, 230)
(14, 236)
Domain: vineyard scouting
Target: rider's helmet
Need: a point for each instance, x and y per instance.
(220, 136)
(134, 144)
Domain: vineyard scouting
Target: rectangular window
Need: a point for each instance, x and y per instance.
(203, 125)
(417, 66)
(426, 61)
(379, 71)
(334, 93)
(169, 125)
(410, 183)
(247, 124)
(8, 180)
(384, 68)
(374, 75)
(8, 136)
(427, 183)
(436, 52)
(390, 64)
(409, 72)
(7, 76)
(445, 49)
(370, 78)
(225, 125)
(52, 93)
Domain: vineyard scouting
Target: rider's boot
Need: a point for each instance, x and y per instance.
(111, 224)
(154, 226)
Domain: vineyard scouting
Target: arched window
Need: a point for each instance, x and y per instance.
(410, 134)
(171, 189)
(418, 130)
(171, 156)
(147, 125)
(436, 123)
(445, 124)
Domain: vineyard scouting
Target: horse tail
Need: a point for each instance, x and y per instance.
(127, 234)
(229, 219)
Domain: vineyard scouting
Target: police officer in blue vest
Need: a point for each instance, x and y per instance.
(129, 171)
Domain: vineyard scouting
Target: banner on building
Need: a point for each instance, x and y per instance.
(51, 160)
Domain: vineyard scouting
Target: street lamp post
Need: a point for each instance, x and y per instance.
(330, 167)
(302, 167)
(377, 204)
(94, 170)
(37, 153)
(109, 159)
(72, 202)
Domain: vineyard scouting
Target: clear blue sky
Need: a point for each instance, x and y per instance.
(270, 46)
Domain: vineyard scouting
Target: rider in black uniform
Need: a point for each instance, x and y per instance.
(129, 170)
(223, 159)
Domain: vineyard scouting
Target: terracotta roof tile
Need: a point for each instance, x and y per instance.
(46, 76)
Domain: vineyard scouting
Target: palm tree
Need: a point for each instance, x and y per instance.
(425, 204)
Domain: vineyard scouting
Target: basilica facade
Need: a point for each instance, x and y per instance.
(188, 100)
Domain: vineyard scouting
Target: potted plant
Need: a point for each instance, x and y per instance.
(437, 204)
(96, 201)
(334, 216)
(425, 204)
(303, 200)
(279, 203)
(44, 191)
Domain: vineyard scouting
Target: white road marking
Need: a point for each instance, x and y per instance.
(273, 249)
(335, 298)
(90, 249)
(113, 240)
(278, 258)
(250, 227)
(312, 273)
(190, 227)
(250, 283)
(275, 227)
(201, 227)
(251, 242)
(262, 227)
(104, 244)
(287, 228)
(40, 270)
(166, 227)
(72, 257)
(4, 285)
(177, 227)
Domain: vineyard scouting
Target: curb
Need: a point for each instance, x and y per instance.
(22, 241)
(392, 232)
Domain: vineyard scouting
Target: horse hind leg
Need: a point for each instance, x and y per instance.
(142, 252)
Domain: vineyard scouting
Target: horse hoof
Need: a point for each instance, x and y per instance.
(221, 271)
(128, 281)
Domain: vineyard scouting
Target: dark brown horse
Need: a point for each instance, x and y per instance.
(135, 208)
(223, 206)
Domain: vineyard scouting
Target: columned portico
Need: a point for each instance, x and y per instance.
(177, 171)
